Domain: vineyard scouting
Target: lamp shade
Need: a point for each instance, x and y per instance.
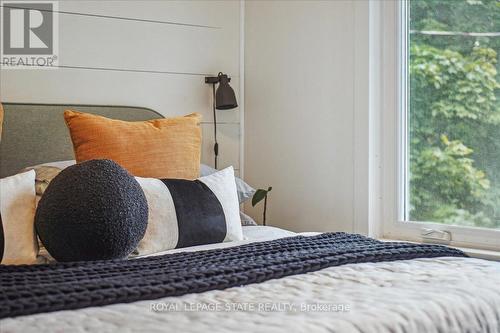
(225, 98)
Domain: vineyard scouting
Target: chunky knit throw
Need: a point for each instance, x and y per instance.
(34, 289)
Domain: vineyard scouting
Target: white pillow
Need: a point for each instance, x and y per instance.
(18, 243)
(245, 191)
(186, 213)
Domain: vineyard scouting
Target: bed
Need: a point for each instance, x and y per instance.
(273, 280)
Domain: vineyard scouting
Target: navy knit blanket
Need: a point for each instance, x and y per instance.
(34, 289)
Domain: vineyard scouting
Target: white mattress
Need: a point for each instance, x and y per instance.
(250, 234)
(421, 295)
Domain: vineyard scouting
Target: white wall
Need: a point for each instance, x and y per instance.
(99, 42)
(306, 101)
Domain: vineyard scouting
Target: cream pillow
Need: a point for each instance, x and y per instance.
(18, 243)
(1, 120)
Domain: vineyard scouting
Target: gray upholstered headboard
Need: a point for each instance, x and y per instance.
(36, 133)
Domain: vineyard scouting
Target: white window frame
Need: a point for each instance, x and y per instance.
(394, 143)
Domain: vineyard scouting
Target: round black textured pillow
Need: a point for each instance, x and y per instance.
(92, 211)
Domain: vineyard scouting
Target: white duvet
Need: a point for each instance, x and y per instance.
(421, 295)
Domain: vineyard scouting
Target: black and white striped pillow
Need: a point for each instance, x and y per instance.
(186, 213)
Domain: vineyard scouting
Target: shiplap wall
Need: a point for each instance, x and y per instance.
(191, 51)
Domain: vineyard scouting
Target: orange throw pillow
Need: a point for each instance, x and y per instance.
(160, 148)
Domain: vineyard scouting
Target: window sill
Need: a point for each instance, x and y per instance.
(481, 254)
(474, 253)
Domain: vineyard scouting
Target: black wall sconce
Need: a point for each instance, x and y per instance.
(223, 99)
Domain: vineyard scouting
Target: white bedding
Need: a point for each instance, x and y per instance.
(420, 295)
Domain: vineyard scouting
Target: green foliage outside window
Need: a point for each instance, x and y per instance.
(454, 119)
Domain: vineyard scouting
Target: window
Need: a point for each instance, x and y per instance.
(453, 106)
(447, 110)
